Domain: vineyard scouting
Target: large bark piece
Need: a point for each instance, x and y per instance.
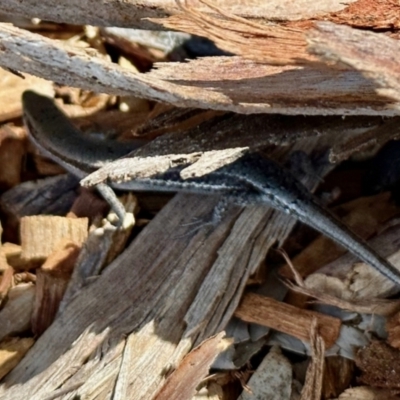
(133, 13)
(151, 290)
(219, 83)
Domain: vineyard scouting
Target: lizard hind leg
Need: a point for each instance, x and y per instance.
(208, 221)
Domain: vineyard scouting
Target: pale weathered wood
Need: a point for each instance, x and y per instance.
(133, 13)
(101, 247)
(11, 352)
(205, 83)
(370, 53)
(40, 234)
(178, 271)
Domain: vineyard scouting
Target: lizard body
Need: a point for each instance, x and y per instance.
(252, 179)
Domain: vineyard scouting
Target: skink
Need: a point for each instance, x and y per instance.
(252, 179)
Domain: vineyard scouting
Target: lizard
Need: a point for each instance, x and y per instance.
(251, 179)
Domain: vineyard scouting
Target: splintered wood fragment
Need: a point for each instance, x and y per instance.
(12, 153)
(212, 160)
(127, 169)
(368, 52)
(313, 383)
(51, 282)
(270, 44)
(15, 316)
(64, 64)
(182, 383)
(286, 318)
(41, 234)
(101, 247)
(345, 91)
(11, 352)
(272, 378)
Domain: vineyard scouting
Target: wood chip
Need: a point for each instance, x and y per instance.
(312, 388)
(11, 89)
(368, 52)
(182, 383)
(277, 315)
(27, 198)
(41, 234)
(12, 152)
(15, 316)
(51, 282)
(12, 253)
(6, 282)
(11, 352)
